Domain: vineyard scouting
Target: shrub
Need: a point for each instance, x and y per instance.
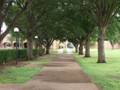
(10, 55)
(22, 53)
(35, 52)
(7, 55)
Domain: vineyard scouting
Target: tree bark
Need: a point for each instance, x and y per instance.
(1, 4)
(47, 49)
(76, 48)
(112, 44)
(29, 49)
(87, 45)
(81, 48)
(101, 52)
(113, 47)
(40, 46)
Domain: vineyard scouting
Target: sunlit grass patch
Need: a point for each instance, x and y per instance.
(21, 74)
(106, 75)
(17, 74)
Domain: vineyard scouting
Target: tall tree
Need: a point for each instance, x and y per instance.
(88, 27)
(28, 23)
(102, 12)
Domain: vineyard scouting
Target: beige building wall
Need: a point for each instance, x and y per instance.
(107, 45)
(6, 39)
(57, 44)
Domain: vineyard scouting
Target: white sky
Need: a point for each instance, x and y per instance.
(4, 27)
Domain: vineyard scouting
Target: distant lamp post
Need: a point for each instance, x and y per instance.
(16, 30)
(36, 39)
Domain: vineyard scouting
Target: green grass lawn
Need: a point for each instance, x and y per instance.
(21, 74)
(17, 74)
(107, 75)
(53, 51)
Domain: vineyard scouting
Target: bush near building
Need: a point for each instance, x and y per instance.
(10, 55)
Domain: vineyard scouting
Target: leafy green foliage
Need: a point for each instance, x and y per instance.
(10, 55)
(10, 11)
(7, 55)
(113, 31)
(103, 11)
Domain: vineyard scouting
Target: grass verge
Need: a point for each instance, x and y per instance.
(38, 61)
(21, 74)
(53, 52)
(107, 75)
(17, 74)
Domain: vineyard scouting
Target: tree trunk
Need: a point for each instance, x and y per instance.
(112, 44)
(40, 46)
(29, 49)
(41, 50)
(113, 47)
(47, 49)
(81, 48)
(87, 45)
(76, 48)
(101, 52)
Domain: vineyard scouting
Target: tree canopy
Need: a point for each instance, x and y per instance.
(78, 21)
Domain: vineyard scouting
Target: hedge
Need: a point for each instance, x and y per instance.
(10, 55)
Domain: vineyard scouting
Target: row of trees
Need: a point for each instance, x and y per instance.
(97, 14)
(79, 21)
(93, 17)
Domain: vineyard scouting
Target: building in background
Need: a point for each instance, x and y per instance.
(10, 43)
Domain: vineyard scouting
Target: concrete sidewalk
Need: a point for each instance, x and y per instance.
(63, 73)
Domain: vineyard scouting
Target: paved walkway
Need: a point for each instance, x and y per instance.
(63, 73)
